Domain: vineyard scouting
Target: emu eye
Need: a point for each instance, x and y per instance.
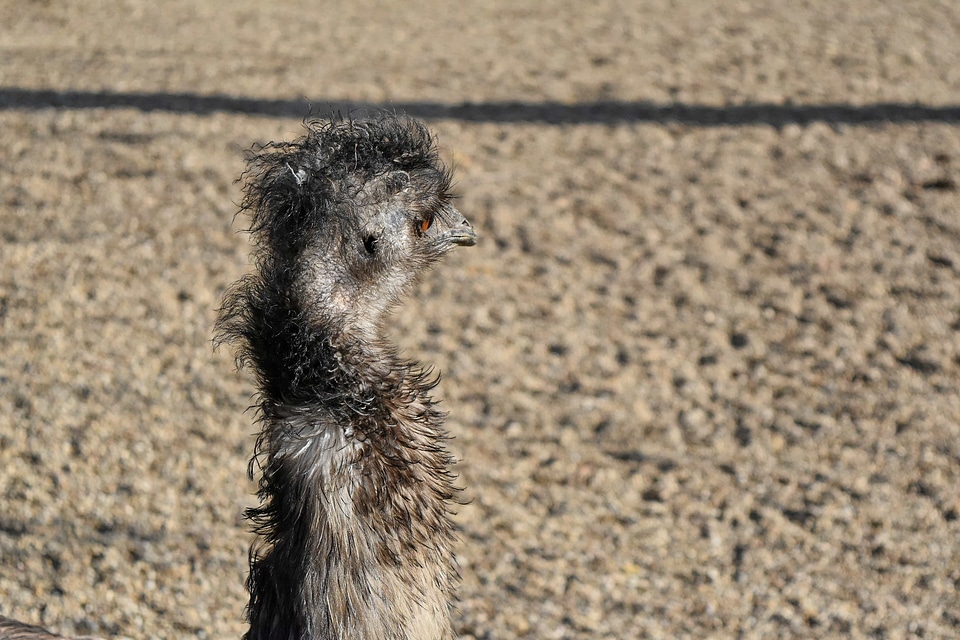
(425, 224)
(370, 244)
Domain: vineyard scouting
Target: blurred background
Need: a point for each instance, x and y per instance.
(701, 369)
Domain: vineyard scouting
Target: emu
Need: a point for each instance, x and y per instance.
(354, 535)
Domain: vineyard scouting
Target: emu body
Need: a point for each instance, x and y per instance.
(355, 539)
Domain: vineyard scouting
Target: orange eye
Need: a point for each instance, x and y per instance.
(426, 224)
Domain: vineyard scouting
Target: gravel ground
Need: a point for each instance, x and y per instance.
(702, 368)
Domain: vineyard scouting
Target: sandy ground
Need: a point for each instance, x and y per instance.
(702, 369)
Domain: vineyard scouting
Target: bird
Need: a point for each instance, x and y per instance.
(354, 537)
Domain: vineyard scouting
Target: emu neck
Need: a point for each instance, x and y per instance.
(354, 535)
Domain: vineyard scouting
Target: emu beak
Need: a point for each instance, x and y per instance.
(459, 232)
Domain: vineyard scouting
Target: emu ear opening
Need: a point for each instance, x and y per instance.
(370, 243)
(396, 181)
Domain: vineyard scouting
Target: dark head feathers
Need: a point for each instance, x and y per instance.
(294, 187)
(305, 193)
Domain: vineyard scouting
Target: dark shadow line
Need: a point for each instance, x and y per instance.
(601, 111)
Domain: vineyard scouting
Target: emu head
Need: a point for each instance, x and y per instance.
(348, 216)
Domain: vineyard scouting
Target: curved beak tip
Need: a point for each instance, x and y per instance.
(465, 237)
(458, 230)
